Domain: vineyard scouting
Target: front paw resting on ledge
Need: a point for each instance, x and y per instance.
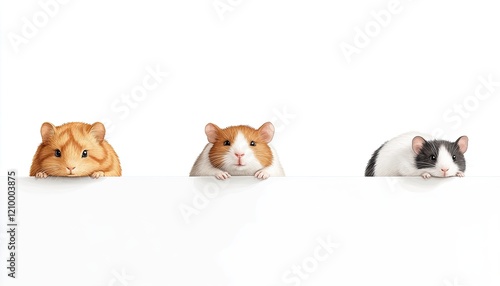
(222, 175)
(97, 174)
(460, 174)
(262, 174)
(426, 175)
(42, 175)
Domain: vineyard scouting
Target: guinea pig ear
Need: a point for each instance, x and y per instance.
(212, 132)
(98, 131)
(417, 143)
(462, 143)
(266, 132)
(47, 130)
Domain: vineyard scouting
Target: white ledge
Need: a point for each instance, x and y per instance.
(201, 231)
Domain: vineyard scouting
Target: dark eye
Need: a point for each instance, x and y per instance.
(252, 143)
(57, 153)
(227, 143)
(84, 154)
(433, 158)
(454, 157)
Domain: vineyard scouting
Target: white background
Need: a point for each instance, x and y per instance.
(258, 59)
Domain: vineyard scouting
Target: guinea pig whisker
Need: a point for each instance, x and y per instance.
(424, 164)
(427, 163)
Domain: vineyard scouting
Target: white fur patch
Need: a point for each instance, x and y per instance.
(251, 164)
(203, 167)
(445, 161)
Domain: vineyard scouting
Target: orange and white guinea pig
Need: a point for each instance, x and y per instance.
(238, 151)
(74, 150)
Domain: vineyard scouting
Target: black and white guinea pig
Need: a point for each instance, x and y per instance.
(238, 151)
(414, 154)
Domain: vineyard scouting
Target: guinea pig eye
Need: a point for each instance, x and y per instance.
(454, 157)
(433, 157)
(84, 154)
(227, 143)
(252, 143)
(57, 153)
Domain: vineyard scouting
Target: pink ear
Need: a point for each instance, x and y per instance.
(212, 132)
(47, 130)
(463, 143)
(98, 131)
(417, 143)
(266, 132)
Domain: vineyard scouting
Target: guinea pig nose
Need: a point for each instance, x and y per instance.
(444, 170)
(239, 155)
(70, 168)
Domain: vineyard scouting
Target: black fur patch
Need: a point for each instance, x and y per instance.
(430, 150)
(370, 167)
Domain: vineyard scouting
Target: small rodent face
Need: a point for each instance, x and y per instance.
(440, 158)
(72, 149)
(240, 148)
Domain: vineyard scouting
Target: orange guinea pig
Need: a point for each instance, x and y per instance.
(238, 151)
(74, 149)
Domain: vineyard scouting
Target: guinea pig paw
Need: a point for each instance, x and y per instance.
(261, 174)
(42, 175)
(460, 174)
(97, 174)
(222, 175)
(426, 175)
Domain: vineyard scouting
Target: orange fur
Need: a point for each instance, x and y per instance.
(72, 139)
(262, 151)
